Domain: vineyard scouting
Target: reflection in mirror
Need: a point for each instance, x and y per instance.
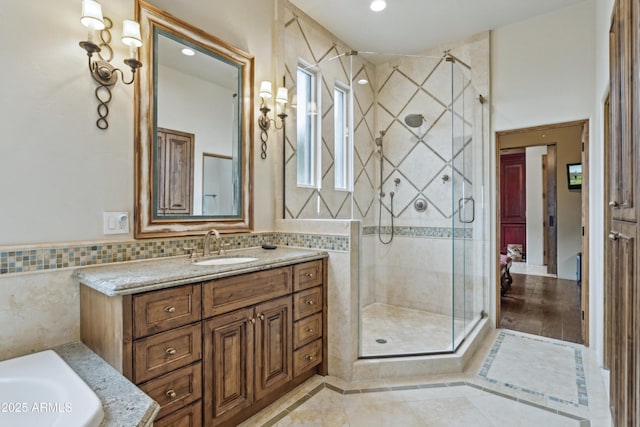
(194, 122)
(218, 188)
(196, 95)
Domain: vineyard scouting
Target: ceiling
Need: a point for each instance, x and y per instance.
(414, 26)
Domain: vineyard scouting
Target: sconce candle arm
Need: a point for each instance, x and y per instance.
(105, 74)
(264, 121)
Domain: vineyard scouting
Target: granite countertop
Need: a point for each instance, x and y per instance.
(124, 404)
(147, 275)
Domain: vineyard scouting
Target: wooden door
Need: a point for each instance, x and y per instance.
(622, 289)
(623, 241)
(513, 201)
(175, 172)
(584, 265)
(228, 365)
(551, 210)
(274, 346)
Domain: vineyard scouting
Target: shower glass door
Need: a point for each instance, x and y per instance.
(464, 205)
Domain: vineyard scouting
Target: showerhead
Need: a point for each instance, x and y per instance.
(414, 120)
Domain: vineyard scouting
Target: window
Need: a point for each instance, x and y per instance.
(341, 139)
(307, 112)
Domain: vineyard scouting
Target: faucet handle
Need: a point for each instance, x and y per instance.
(191, 252)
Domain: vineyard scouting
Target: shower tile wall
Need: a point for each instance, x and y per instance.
(307, 41)
(415, 270)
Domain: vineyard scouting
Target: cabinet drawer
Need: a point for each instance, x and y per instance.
(175, 389)
(228, 294)
(191, 416)
(166, 351)
(307, 275)
(307, 302)
(307, 357)
(159, 311)
(307, 330)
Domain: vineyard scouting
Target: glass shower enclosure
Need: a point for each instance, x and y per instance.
(395, 142)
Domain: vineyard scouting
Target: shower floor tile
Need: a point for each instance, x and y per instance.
(407, 331)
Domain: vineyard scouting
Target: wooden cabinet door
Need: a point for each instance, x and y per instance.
(624, 124)
(228, 365)
(175, 172)
(622, 290)
(274, 345)
(626, 323)
(513, 201)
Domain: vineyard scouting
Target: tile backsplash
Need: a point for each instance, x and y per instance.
(30, 258)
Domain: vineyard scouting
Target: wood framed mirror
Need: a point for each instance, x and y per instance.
(194, 95)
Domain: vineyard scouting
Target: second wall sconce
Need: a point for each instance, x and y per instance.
(282, 97)
(101, 69)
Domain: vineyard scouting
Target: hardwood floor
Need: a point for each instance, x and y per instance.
(543, 306)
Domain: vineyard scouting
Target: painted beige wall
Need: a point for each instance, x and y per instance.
(64, 171)
(543, 71)
(60, 172)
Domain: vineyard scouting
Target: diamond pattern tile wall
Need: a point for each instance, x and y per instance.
(420, 157)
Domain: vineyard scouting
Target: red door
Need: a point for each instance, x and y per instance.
(513, 201)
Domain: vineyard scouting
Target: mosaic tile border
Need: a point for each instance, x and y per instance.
(410, 231)
(33, 258)
(581, 383)
(277, 418)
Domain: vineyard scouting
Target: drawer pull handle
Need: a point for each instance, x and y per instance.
(170, 309)
(261, 316)
(251, 320)
(171, 351)
(310, 302)
(309, 274)
(310, 358)
(310, 330)
(171, 394)
(614, 204)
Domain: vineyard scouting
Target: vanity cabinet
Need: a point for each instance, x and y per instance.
(249, 354)
(213, 353)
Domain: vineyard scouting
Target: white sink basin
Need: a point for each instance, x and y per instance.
(40, 389)
(225, 261)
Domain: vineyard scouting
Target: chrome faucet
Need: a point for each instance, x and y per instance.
(206, 242)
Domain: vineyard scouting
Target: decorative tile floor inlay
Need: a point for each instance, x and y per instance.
(558, 367)
(452, 404)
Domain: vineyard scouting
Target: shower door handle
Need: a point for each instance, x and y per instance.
(461, 204)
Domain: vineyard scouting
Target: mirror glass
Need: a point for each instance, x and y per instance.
(193, 130)
(196, 99)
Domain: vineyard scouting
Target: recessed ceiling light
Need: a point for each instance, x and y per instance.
(188, 52)
(363, 81)
(378, 5)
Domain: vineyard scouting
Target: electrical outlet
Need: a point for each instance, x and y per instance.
(116, 222)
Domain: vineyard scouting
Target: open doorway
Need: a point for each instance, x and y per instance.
(545, 291)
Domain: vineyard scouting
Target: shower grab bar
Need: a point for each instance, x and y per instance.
(461, 204)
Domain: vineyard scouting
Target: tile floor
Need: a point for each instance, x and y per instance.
(543, 306)
(515, 379)
(399, 327)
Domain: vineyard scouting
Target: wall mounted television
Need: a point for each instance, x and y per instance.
(574, 176)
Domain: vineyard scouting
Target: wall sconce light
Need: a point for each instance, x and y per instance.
(101, 69)
(282, 97)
